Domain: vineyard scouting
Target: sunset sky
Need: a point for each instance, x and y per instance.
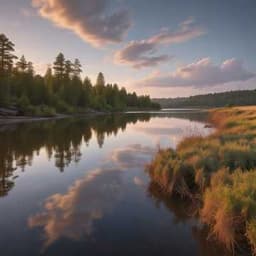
(165, 48)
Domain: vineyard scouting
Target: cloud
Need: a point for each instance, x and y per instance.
(73, 214)
(142, 53)
(132, 156)
(26, 12)
(138, 181)
(200, 74)
(187, 31)
(160, 130)
(89, 19)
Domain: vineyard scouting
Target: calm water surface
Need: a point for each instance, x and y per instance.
(78, 187)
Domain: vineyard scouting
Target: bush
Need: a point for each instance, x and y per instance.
(229, 204)
(39, 111)
(251, 233)
(63, 107)
(47, 111)
(23, 102)
(220, 171)
(171, 173)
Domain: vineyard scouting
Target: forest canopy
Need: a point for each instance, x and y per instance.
(60, 90)
(223, 99)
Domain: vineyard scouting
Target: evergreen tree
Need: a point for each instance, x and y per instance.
(77, 70)
(30, 69)
(22, 64)
(6, 65)
(59, 73)
(48, 81)
(100, 83)
(64, 90)
(6, 54)
(87, 95)
(59, 67)
(68, 69)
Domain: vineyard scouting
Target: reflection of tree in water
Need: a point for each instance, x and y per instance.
(68, 216)
(5, 183)
(184, 211)
(62, 140)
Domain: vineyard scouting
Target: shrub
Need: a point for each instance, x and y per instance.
(228, 204)
(47, 111)
(63, 107)
(251, 233)
(220, 171)
(23, 102)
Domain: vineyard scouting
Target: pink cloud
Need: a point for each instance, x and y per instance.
(142, 53)
(86, 18)
(72, 214)
(200, 74)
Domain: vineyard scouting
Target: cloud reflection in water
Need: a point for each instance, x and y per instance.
(132, 156)
(73, 214)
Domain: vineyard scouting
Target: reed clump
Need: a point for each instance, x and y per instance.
(220, 172)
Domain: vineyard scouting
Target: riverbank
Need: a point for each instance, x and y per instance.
(11, 119)
(26, 119)
(217, 174)
(14, 118)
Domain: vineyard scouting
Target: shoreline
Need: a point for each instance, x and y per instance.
(215, 174)
(6, 120)
(27, 119)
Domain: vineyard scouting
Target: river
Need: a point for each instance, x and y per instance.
(78, 186)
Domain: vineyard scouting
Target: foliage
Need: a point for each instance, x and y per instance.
(224, 99)
(62, 140)
(228, 204)
(61, 89)
(219, 171)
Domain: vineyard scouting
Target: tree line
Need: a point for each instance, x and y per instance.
(61, 89)
(223, 99)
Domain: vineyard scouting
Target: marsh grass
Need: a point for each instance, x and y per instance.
(218, 170)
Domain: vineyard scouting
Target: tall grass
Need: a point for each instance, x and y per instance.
(220, 172)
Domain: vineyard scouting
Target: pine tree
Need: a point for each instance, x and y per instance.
(100, 84)
(77, 70)
(6, 54)
(6, 66)
(30, 69)
(48, 81)
(68, 69)
(59, 66)
(22, 64)
(59, 74)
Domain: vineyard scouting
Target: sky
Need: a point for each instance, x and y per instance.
(164, 48)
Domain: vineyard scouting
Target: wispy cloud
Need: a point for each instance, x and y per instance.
(27, 12)
(132, 156)
(142, 53)
(89, 19)
(200, 74)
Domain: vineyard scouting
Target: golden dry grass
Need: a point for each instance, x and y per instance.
(220, 170)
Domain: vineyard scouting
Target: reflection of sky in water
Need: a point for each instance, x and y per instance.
(167, 132)
(103, 197)
(72, 214)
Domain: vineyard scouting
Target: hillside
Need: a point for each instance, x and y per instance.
(236, 98)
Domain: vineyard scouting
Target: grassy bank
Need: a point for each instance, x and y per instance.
(218, 174)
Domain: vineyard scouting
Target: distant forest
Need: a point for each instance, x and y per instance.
(60, 90)
(232, 98)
